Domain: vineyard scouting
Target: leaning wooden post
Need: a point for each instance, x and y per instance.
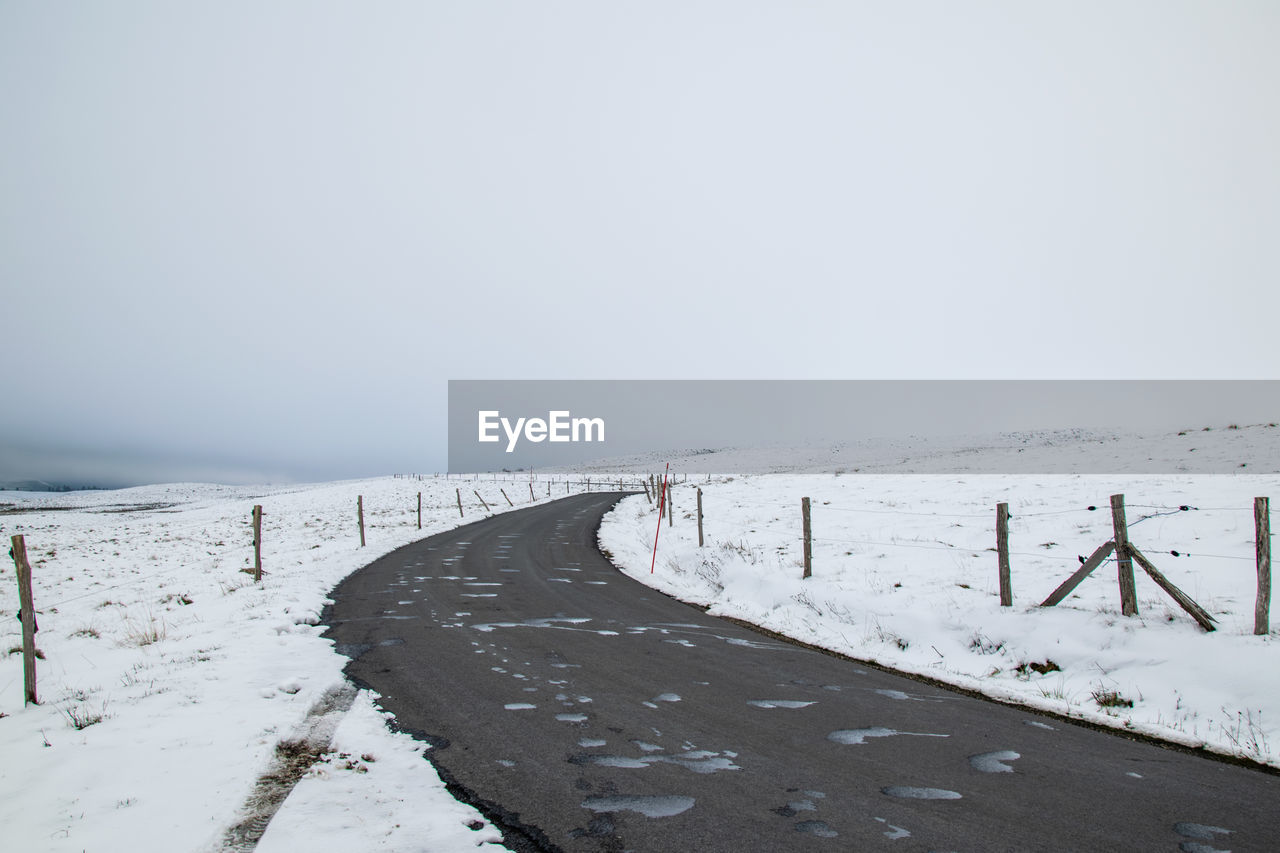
(1002, 550)
(504, 494)
(257, 543)
(1262, 530)
(482, 503)
(28, 613)
(1185, 601)
(1124, 561)
(532, 499)
(808, 538)
(360, 515)
(419, 510)
(1095, 560)
(699, 518)
(459, 493)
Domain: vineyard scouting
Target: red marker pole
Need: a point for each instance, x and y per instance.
(661, 502)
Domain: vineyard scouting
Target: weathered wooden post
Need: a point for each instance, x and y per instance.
(459, 493)
(808, 538)
(482, 503)
(699, 518)
(1262, 531)
(504, 494)
(1002, 549)
(1124, 560)
(670, 512)
(257, 543)
(662, 497)
(360, 515)
(419, 510)
(27, 607)
(532, 499)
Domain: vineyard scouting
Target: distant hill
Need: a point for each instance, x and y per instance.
(1222, 449)
(44, 486)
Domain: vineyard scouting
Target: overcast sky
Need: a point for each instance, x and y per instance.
(253, 240)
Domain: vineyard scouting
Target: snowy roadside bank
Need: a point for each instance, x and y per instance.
(169, 677)
(905, 575)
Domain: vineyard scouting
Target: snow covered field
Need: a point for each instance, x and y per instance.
(169, 677)
(905, 575)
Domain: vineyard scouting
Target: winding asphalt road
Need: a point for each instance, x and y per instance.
(583, 711)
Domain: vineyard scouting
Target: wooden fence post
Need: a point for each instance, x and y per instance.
(532, 499)
(808, 538)
(360, 515)
(699, 518)
(1002, 549)
(459, 493)
(504, 494)
(257, 543)
(1124, 561)
(670, 512)
(482, 503)
(28, 611)
(419, 510)
(1262, 530)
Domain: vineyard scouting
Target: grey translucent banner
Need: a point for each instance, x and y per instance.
(909, 426)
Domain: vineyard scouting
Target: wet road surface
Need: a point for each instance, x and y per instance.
(583, 711)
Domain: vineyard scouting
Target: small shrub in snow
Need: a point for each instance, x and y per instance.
(890, 638)
(709, 571)
(81, 715)
(1111, 699)
(1247, 735)
(985, 645)
(153, 631)
(1027, 667)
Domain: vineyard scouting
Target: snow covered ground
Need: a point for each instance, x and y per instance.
(169, 676)
(905, 575)
(170, 679)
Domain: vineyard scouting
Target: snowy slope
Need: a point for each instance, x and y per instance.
(1201, 449)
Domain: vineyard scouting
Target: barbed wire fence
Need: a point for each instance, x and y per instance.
(1119, 550)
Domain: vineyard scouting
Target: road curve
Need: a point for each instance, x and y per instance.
(583, 711)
